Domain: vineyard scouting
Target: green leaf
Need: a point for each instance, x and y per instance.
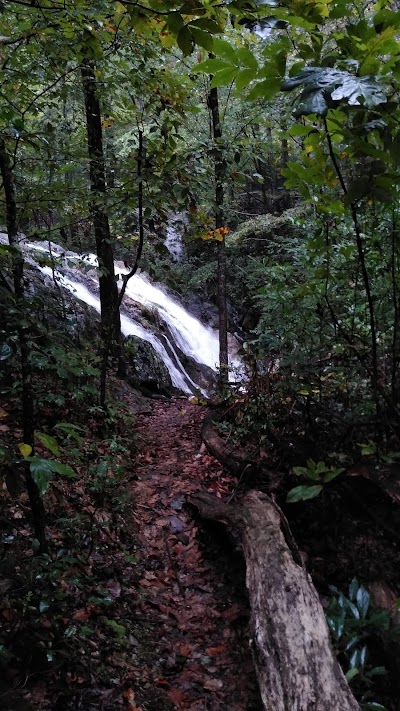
(208, 25)
(377, 671)
(266, 89)
(313, 102)
(247, 58)
(175, 22)
(303, 493)
(62, 469)
(300, 130)
(202, 39)
(210, 66)
(41, 473)
(224, 49)
(185, 40)
(224, 77)
(244, 77)
(323, 85)
(363, 600)
(49, 442)
(70, 430)
(301, 471)
(332, 474)
(351, 674)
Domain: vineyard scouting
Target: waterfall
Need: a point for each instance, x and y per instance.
(129, 327)
(189, 335)
(173, 236)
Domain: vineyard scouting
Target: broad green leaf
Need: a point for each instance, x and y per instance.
(378, 671)
(246, 58)
(49, 442)
(223, 77)
(359, 90)
(41, 473)
(301, 471)
(314, 103)
(25, 449)
(224, 49)
(207, 24)
(323, 85)
(266, 89)
(299, 130)
(329, 476)
(62, 469)
(363, 600)
(185, 40)
(202, 39)
(351, 674)
(175, 22)
(243, 78)
(303, 493)
(211, 66)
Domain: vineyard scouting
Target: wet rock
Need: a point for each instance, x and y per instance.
(145, 369)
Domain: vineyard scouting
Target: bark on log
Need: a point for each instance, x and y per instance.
(295, 664)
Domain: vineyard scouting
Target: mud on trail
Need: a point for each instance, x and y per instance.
(192, 587)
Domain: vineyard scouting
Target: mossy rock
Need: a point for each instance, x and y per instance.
(254, 233)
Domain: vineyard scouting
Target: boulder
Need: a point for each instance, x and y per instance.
(145, 369)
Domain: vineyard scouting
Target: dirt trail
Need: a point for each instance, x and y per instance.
(192, 592)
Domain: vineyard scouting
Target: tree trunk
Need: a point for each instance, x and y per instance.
(295, 664)
(110, 318)
(219, 173)
(28, 428)
(133, 270)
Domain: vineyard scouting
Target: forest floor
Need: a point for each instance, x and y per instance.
(139, 605)
(142, 606)
(194, 595)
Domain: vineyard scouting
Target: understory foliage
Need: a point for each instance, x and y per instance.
(106, 137)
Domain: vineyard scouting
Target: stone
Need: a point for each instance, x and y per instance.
(145, 369)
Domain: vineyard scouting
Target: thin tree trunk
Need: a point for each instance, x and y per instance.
(110, 318)
(220, 174)
(28, 428)
(132, 272)
(365, 275)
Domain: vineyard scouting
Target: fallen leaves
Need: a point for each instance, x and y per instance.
(199, 659)
(147, 616)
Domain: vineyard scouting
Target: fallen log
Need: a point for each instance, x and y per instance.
(227, 454)
(237, 460)
(294, 660)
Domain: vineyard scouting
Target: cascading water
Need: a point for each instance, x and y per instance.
(173, 236)
(191, 337)
(129, 327)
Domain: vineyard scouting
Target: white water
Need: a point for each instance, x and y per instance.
(129, 327)
(191, 336)
(173, 236)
